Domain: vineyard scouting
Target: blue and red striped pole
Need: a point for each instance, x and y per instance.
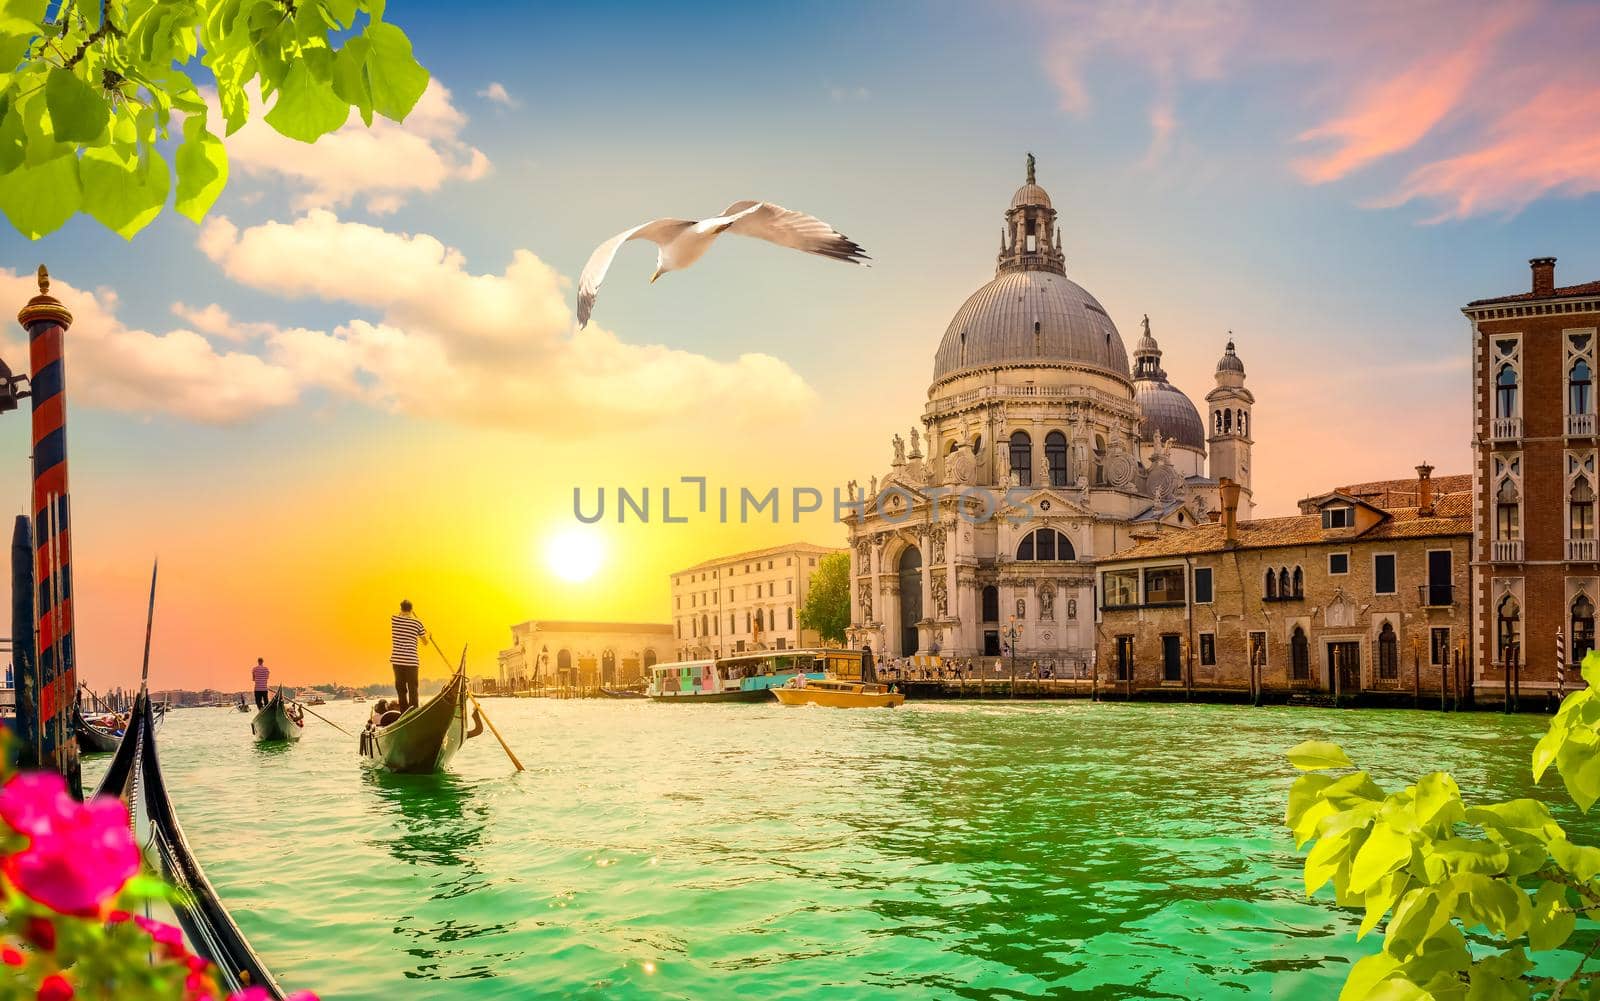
(46, 320)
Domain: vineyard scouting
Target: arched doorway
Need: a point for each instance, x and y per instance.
(1582, 630)
(608, 668)
(564, 668)
(910, 599)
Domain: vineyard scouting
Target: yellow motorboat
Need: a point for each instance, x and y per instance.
(838, 694)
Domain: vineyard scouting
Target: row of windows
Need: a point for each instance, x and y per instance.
(1300, 651)
(1164, 585)
(756, 567)
(1508, 511)
(707, 625)
(1508, 629)
(1580, 390)
(710, 597)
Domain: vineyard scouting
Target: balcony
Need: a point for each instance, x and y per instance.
(1580, 425)
(1436, 595)
(1505, 428)
(1581, 550)
(1505, 551)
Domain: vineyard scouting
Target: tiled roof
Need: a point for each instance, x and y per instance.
(1452, 516)
(806, 548)
(1565, 292)
(1403, 493)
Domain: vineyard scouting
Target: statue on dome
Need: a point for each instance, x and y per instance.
(916, 444)
(1146, 324)
(1030, 168)
(899, 450)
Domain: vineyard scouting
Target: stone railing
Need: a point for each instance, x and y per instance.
(1505, 551)
(1581, 550)
(1580, 425)
(1505, 428)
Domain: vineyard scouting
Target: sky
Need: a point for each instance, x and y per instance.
(360, 379)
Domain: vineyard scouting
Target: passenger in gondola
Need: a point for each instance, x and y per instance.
(258, 674)
(405, 632)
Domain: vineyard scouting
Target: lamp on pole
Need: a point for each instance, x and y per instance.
(1012, 632)
(540, 665)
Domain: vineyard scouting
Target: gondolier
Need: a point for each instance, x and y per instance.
(259, 675)
(405, 632)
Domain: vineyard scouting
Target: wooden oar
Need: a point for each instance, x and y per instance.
(492, 728)
(307, 709)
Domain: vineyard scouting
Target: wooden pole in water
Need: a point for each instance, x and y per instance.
(492, 728)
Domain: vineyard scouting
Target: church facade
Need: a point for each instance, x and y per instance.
(1040, 450)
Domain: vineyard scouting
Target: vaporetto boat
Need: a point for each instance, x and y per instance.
(744, 677)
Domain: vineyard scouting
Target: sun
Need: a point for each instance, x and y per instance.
(574, 554)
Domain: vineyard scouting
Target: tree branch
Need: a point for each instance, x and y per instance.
(106, 29)
(1561, 987)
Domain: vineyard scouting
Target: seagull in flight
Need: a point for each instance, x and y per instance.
(681, 242)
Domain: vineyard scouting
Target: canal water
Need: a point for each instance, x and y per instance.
(941, 850)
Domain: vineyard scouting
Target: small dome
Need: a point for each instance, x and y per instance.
(996, 327)
(1030, 194)
(1230, 362)
(1163, 407)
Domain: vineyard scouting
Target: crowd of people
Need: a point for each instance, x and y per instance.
(975, 669)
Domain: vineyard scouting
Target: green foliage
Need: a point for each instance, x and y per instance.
(1505, 873)
(827, 605)
(89, 91)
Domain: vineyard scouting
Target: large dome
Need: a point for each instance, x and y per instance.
(1030, 318)
(1163, 407)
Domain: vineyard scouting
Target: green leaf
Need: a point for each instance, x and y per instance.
(1385, 851)
(1380, 898)
(39, 199)
(1580, 860)
(343, 11)
(1579, 763)
(1544, 752)
(202, 164)
(122, 191)
(350, 77)
(1590, 669)
(396, 78)
(306, 109)
(77, 111)
(1327, 855)
(1468, 855)
(1367, 974)
(1315, 755)
(1553, 920)
(1517, 820)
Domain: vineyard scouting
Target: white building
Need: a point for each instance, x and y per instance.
(747, 601)
(1045, 451)
(582, 654)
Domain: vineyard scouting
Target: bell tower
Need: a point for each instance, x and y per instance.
(1031, 241)
(1228, 443)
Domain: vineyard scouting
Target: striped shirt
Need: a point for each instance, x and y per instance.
(404, 632)
(259, 672)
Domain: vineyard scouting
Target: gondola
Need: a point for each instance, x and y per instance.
(135, 777)
(95, 739)
(277, 721)
(621, 693)
(424, 739)
(241, 705)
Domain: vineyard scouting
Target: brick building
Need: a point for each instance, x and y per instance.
(1363, 593)
(1534, 437)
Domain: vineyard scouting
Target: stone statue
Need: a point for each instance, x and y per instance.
(899, 450)
(1030, 168)
(850, 488)
(937, 544)
(1022, 608)
(1072, 608)
(872, 489)
(864, 556)
(1041, 478)
(1146, 324)
(864, 593)
(1047, 600)
(916, 443)
(936, 586)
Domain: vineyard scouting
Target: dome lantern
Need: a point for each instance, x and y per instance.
(1032, 240)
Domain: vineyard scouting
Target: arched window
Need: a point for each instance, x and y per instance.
(1299, 583)
(1285, 587)
(1505, 394)
(1582, 628)
(1580, 503)
(1578, 383)
(991, 604)
(1227, 422)
(1506, 509)
(1099, 459)
(963, 348)
(977, 444)
(1244, 423)
(791, 616)
(1055, 452)
(1509, 631)
(649, 657)
(564, 661)
(705, 625)
(1388, 652)
(1272, 584)
(1300, 654)
(1022, 458)
(1216, 421)
(954, 444)
(1045, 544)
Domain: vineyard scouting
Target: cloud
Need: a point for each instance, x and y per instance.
(496, 93)
(214, 321)
(1472, 107)
(179, 372)
(498, 349)
(382, 165)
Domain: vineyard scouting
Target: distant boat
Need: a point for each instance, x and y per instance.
(620, 693)
(425, 738)
(742, 677)
(277, 721)
(315, 700)
(837, 693)
(359, 698)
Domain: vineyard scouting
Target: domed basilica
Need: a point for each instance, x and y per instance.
(1044, 452)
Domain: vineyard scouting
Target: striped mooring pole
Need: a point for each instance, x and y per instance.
(1561, 665)
(50, 734)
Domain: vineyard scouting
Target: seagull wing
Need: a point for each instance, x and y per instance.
(796, 230)
(657, 231)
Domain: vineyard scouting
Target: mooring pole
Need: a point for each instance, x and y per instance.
(46, 320)
(25, 675)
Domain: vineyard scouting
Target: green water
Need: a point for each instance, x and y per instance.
(959, 850)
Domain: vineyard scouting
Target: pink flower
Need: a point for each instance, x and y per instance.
(34, 803)
(11, 957)
(55, 987)
(251, 994)
(167, 936)
(79, 856)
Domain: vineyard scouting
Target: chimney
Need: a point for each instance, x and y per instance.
(1229, 491)
(1425, 491)
(1544, 275)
